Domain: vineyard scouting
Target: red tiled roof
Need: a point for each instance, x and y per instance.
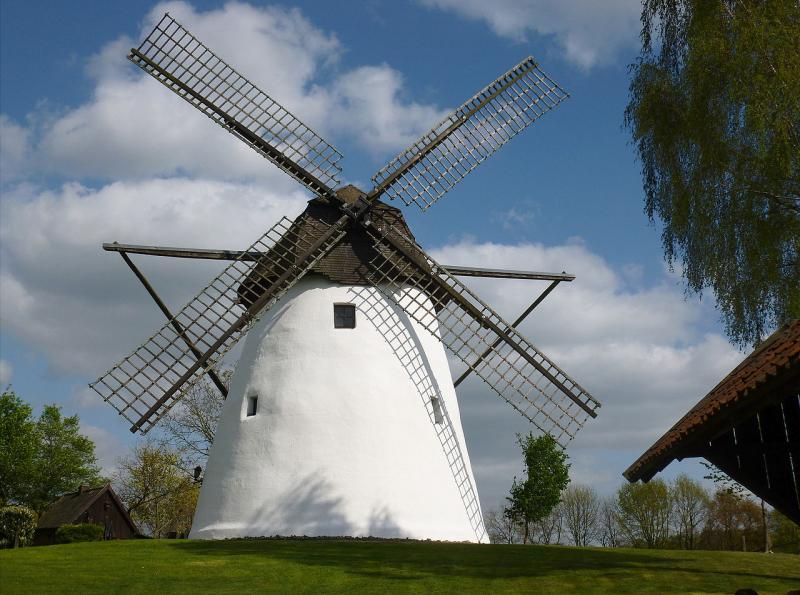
(779, 354)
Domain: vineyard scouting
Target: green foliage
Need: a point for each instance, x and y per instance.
(691, 507)
(159, 494)
(18, 446)
(644, 511)
(581, 506)
(77, 533)
(785, 534)
(546, 476)
(65, 458)
(723, 480)
(17, 525)
(714, 112)
(41, 459)
(734, 523)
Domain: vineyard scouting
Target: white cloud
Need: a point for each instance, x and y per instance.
(590, 33)
(107, 448)
(596, 305)
(6, 373)
(14, 149)
(370, 108)
(81, 306)
(636, 349)
(84, 397)
(134, 128)
(517, 218)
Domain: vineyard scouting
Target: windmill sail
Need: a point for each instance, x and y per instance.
(181, 62)
(145, 385)
(513, 367)
(440, 159)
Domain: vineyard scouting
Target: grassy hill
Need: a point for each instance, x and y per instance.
(383, 566)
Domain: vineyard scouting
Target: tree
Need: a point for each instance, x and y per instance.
(65, 458)
(609, 524)
(18, 445)
(191, 424)
(714, 112)
(581, 507)
(548, 529)
(734, 523)
(785, 533)
(17, 526)
(546, 476)
(159, 495)
(644, 512)
(500, 528)
(41, 459)
(731, 486)
(691, 509)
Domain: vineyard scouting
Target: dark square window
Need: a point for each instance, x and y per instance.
(252, 405)
(344, 316)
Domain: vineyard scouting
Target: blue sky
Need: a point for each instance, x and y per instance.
(92, 152)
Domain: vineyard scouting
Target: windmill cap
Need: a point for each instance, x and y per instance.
(350, 194)
(347, 263)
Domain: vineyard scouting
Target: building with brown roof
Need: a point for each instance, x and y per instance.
(99, 505)
(748, 426)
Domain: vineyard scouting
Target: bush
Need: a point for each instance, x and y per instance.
(17, 525)
(75, 533)
(785, 534)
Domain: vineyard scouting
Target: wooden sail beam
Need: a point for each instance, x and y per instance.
(212, 374)
(206, 254)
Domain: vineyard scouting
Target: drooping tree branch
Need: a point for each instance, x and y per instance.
(714, 112)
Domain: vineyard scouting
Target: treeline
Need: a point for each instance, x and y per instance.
(45, 457)
(42, 458)
(681, 514)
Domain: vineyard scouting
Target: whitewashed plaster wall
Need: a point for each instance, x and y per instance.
(345, 439)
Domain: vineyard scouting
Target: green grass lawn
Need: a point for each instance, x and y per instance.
(384, 566)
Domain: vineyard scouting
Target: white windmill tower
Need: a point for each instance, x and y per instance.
(342, 417)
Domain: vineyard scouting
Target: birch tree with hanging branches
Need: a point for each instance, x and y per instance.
(714, 114)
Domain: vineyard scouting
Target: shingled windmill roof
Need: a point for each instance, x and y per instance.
(348, 262)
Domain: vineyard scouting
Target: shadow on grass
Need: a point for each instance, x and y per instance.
(417, 560)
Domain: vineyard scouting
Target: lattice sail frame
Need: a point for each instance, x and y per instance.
(143, 386)
(441, 158)
(181, 62)
(557, 410)
(139, 382)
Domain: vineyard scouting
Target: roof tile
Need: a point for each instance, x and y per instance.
(780, 352)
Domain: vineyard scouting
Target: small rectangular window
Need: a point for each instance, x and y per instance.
(437, 410)
(344, 316)
(252, 405)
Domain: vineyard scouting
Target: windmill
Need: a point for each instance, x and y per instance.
(342, 417)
